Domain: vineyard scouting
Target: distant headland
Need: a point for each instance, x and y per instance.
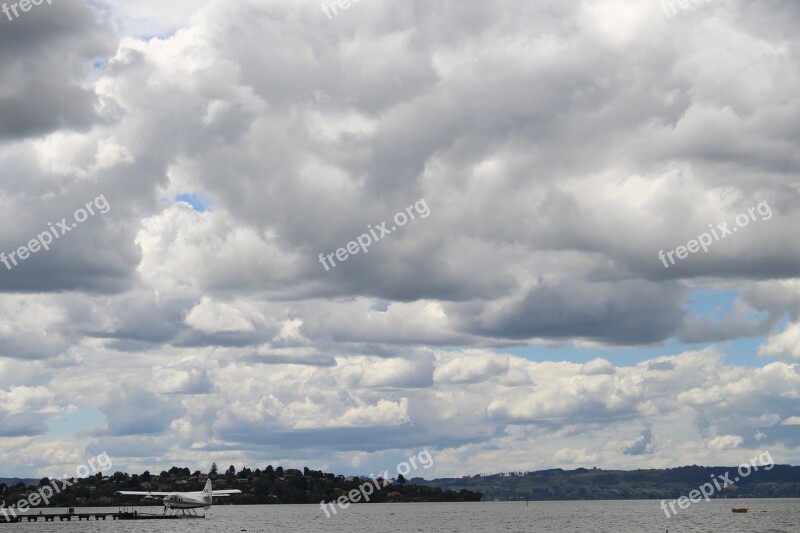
(780, 481)
(280, 485)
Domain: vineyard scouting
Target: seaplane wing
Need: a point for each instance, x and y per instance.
(221, 493)
(141, 493)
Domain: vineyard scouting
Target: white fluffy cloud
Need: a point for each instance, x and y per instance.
(784, 344)
(559, 145)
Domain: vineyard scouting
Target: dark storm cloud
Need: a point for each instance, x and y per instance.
(142, 320)
(97, 255)
(46, 56)
(703, 329)
(192, 338)
(307, 360)
(132, 411)
(32, 347)
(145, 323)
(21, 424)
(631, 312)
(369, 439)
(661, 365)
(129, 446)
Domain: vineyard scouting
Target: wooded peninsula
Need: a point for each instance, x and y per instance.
(292, 486)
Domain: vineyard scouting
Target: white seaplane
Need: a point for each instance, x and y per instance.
(184, 501)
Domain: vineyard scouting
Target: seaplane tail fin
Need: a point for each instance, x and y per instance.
(208, 492)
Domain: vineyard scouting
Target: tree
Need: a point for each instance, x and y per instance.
(214, 470)
(401, 479)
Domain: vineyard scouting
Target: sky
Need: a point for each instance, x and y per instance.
(519, 234)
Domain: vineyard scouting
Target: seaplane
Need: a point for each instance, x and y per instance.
(186, 502)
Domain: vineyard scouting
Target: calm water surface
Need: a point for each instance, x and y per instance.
(773, 516)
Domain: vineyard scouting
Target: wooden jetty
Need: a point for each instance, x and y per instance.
(116, 515)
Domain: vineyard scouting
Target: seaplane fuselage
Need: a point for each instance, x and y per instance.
(187, 500)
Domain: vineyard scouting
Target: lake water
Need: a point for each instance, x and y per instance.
(773, 516)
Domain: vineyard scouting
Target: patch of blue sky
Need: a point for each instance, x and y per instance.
(716, 304)
(69, 425)
(744, 352)
(740, 352)
(165, 35)
(711, 303)
(619, 356)
(199, 202)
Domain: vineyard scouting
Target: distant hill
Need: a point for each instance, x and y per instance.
(781, 481)
(14, 480)
(280, 485)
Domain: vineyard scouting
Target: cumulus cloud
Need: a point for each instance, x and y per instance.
(559, 145)
(725, 442)
(580, 456)
(23, 410)
(642, 445)
(784, 344)
(216, 317)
